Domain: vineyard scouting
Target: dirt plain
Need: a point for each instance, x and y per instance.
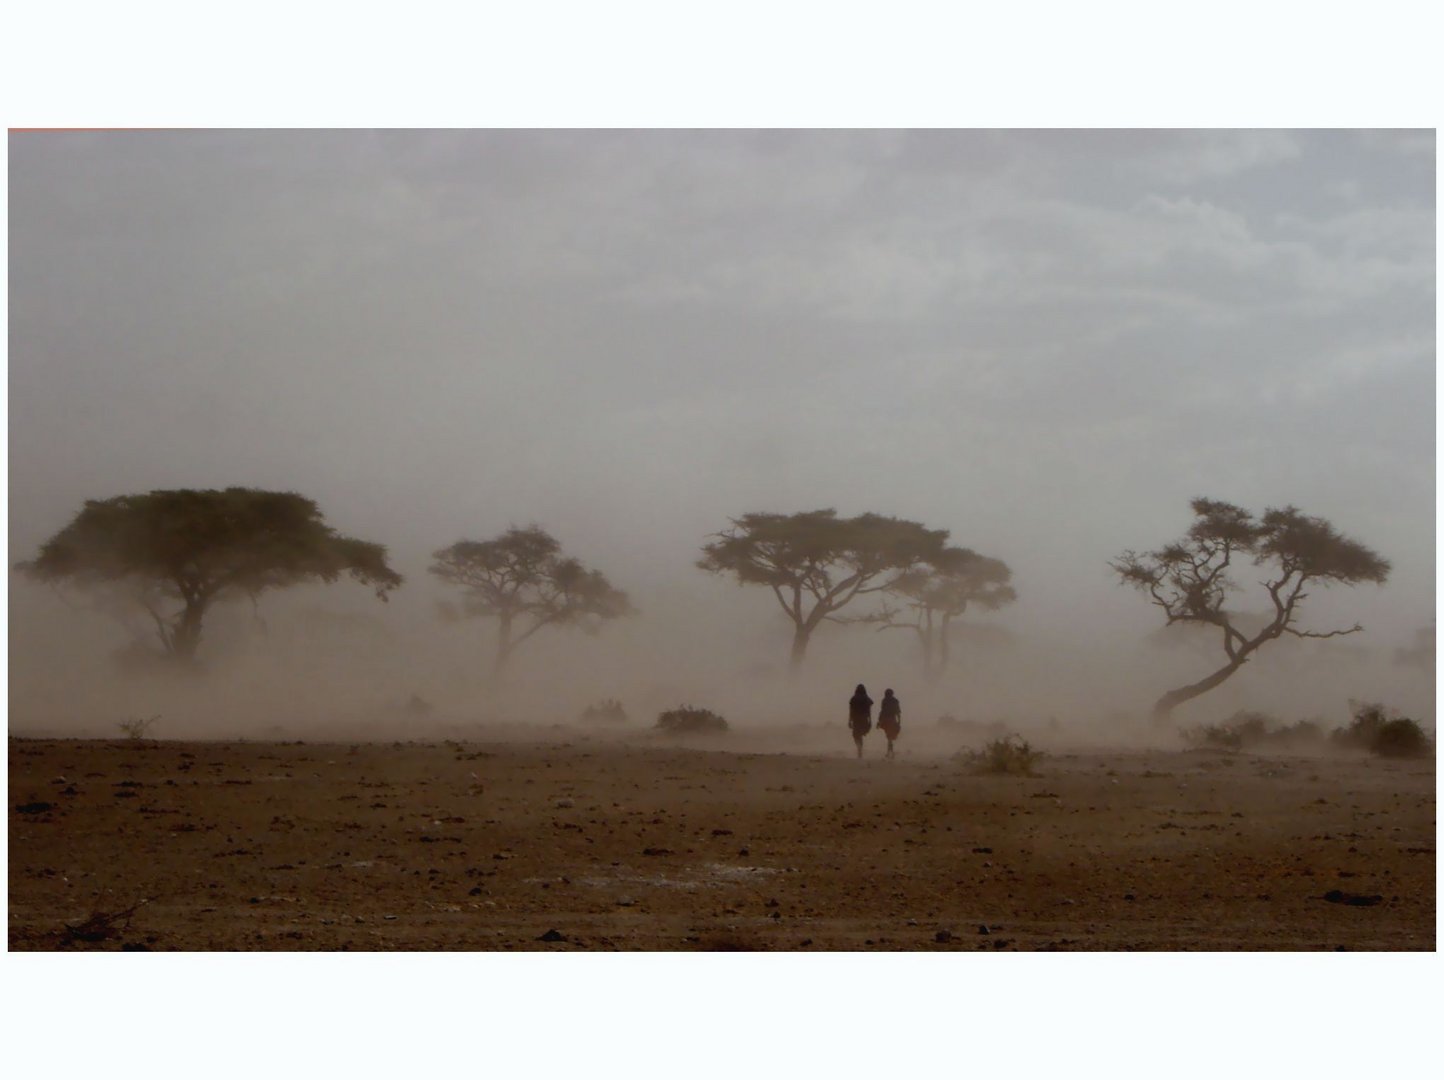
(593, 840)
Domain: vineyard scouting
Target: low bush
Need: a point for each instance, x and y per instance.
(136, 726)
(606, 711)
(1245, 729)
(1401, 737)
(1366, 718)
(1010, 755)
(1382, 731)
(687, 720)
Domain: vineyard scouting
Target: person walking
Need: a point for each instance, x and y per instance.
(859, 715)
(889, 718)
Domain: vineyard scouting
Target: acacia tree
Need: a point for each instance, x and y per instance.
(816, 563)
(523, 581)
(940, 591)
(199, 547)
(1190, 579)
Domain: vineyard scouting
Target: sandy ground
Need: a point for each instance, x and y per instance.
(596, 840)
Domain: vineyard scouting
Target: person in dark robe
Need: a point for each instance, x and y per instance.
(859, 715)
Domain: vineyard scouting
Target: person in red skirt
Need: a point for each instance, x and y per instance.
(889, 718)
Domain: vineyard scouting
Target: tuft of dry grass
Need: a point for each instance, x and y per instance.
(1010, 755)
(136, 726)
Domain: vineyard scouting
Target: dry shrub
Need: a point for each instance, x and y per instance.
(1247, 729)
(606, 711)
(136, 726)
(1382, 731)
(1010, 755)
(687, 720)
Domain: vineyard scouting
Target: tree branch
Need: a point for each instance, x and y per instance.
(1315, 634)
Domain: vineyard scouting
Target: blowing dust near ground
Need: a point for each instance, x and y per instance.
(576, 838)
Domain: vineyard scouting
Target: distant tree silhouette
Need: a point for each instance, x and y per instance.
(199, 547)
(941, 590)
(523, 581)
(816, 563)
(1190, 579)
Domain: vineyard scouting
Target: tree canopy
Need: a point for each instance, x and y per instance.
(816, 563)
(1190, 579)
(941, 590)
(197, 547)
(523, 580)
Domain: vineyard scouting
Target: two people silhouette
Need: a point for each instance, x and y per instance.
(859, 717)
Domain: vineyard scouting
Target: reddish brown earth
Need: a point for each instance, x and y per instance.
(618, 844)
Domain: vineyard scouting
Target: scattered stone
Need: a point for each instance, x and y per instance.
(35, 808)
(982, 929)
(657, 851)
(982, 851)
(942, 937)
(553, 935)
(1338, 896)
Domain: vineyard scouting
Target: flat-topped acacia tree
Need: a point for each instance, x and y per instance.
(1190, 579)
(195, 548)
(522, 579)
(944, 588)
(816, 563)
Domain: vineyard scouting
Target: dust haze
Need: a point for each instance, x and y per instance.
(1045, 343)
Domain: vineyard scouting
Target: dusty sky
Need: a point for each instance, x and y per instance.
(1046, 342)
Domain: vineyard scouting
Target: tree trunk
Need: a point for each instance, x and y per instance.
(503, 644)
(944, 656)
(1164, 706)
(800, 637)
(926, 641)
(185, 635)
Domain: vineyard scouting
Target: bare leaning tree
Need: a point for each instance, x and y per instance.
(1190, 580)
(523, 580)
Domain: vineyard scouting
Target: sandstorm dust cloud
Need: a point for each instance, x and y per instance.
(1046, 343)
(333, 661)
